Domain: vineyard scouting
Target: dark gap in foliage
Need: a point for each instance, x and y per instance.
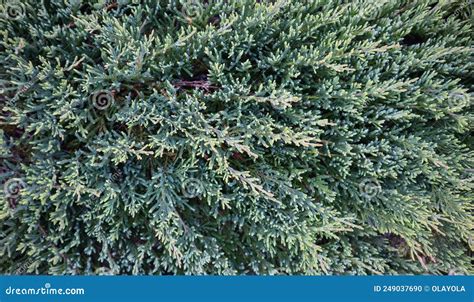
(70, 144)
(86, 9)
(413, 39)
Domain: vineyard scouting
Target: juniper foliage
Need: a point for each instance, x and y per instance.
(236, 137)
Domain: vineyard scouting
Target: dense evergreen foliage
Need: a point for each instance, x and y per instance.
(236, 137)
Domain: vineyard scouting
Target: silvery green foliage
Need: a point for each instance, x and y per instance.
(235, 137)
